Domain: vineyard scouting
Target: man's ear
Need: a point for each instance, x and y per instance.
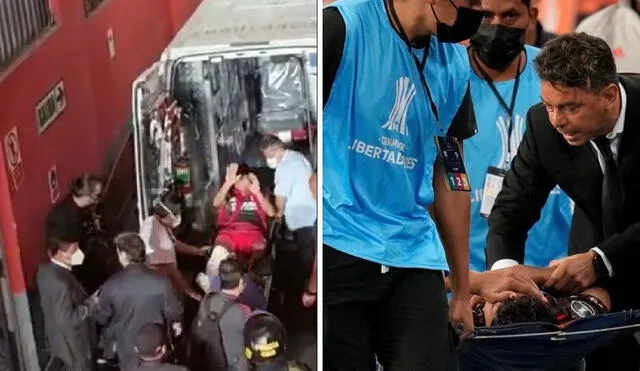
(534, 13)
(611, 93)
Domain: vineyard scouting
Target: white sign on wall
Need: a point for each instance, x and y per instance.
(50, 107)
(111, 43)
(52, 179)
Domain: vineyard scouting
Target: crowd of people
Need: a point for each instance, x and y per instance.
(523, 207)
(133, 316)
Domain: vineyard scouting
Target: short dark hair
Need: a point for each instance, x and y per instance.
(230, 273)
(131, 244)
(85, 184)
(150, 337)
(524, 309)
(577, 60)
(268, 141)
(57, 242)
(163, 208)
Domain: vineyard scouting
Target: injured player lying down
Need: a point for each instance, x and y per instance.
(520, 306)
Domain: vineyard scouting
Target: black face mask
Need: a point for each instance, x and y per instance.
(497, 45)
(465, 25)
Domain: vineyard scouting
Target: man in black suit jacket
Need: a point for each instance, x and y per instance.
(67, 308)
(583, 137)
(134, 297)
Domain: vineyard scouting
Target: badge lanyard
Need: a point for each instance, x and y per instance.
(420, 64)
(448, 147)
(508, 108)
(495, 176)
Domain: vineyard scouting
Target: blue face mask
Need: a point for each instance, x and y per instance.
(466, 24)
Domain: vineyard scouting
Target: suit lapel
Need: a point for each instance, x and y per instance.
(74, 285)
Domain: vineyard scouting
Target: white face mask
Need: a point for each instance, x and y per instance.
(77, 258)
(272, 162)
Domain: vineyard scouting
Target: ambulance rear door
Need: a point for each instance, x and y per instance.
(149, 95)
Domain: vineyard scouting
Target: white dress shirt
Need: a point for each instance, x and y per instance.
(61, 264)
(614, 141)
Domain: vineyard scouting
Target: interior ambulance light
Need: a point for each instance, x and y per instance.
(216, 59)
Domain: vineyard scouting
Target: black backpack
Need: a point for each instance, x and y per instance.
(206, 348)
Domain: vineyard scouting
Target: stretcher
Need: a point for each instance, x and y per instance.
(542, 346)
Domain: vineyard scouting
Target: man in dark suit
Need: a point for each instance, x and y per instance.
(67, 308)
(133, 297)
(582, 137)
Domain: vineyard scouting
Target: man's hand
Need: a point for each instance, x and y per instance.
(205, 250)
(95, 297)
(308, 299)
(502, 284)
(177, 329)
(460, 316)
(573, 274)
(232, 176)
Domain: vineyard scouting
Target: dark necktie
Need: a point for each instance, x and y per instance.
(612, 200)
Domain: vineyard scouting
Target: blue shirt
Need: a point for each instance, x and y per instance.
(549, 237)
(292, 183)
(379, 149)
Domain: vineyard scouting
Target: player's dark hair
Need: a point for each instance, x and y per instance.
(523, 309)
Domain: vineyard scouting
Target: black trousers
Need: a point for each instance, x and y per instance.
(400, 316)
(305, 238)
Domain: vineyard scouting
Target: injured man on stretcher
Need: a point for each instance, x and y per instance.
(513, 295)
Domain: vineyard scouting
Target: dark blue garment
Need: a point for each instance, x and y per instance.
(252, 295)
(542, 346)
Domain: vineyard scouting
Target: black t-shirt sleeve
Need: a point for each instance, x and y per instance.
(334, 34)
(64, 221)
(464, 124)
